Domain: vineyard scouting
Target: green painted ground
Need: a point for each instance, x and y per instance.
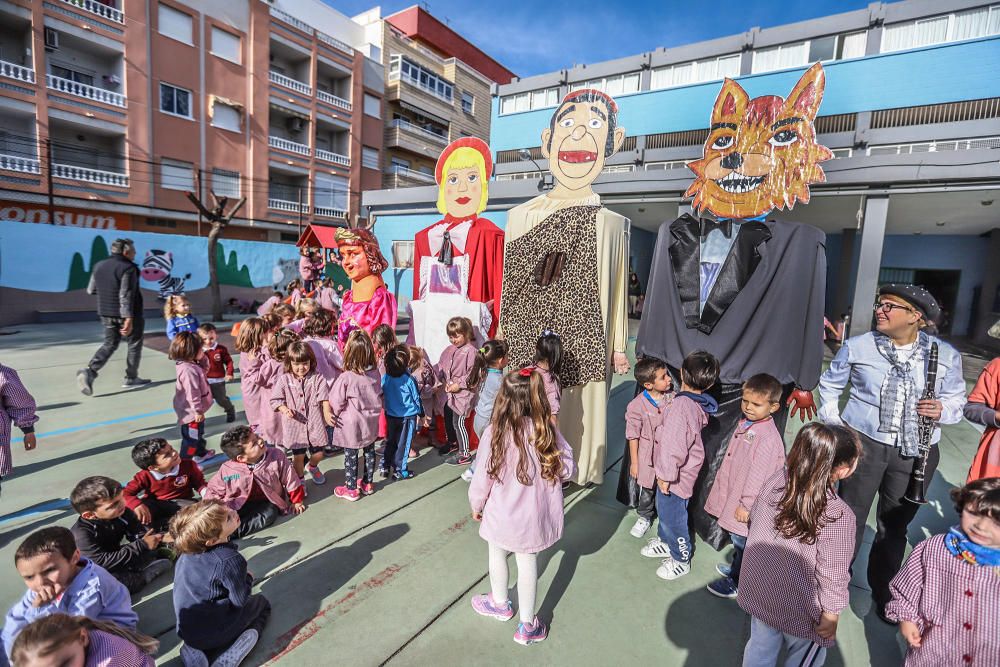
(388, 579)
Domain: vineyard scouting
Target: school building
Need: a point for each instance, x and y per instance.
(911, 112)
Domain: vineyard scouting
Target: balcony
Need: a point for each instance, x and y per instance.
(20, 164)
(335, 158)
(17, 72)
(287, 206)
(407, 136)
(329, 212)
(291, 20)
(406, 90)
(99, 9)
(87, 175)
(289, 82)
(87, 92)
(334, 42)
(288, 145)
(339, 102)
(402, 177)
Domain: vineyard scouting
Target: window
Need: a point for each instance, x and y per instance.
(226, 183)
(853, 45)
(373, 106)
(400, 162)
(369, 157)
(226, 116)
(226, 45)
(468, 102)
(612, 85)
(780, 57)
(402, 254)
(697, 71)
(536, 99)
(330, 192)
(176, 175)
(175, 24)
(401, 67)
(823, 48)
(175, 101)
(970, 24)
(72, 75)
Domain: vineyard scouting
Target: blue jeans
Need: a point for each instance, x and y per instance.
(765, 644)
(398, 440)
(739, 544)
(673, 527)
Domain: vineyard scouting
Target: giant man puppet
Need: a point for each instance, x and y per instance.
(747, 289)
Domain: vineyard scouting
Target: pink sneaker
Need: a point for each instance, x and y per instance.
(531, 634)
(366, 489)
(346, 493)
(484, 606)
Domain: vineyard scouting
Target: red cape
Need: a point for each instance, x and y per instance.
(484, 247)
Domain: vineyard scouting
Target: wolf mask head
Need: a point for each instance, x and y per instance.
(761, 154)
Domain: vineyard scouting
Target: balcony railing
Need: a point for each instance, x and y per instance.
(17, 72)
(291, 20)
(330, 156)
(419, 131)
(333, 99)
(289, 82)
(410, 173)
(288, 206)
(85, 91)
(99, 9)
(334, 42)
(20, 164)
(88, 175)
(329, 212)
(288, 145)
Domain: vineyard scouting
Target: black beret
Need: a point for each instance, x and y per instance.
(916, 296)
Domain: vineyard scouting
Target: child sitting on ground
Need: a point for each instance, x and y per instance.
(548, 359)
(192, 395)
(643, 417)
(403, 411)
(932, 596)
(220, 368)
(177, 313)
(354, 407)
(218, 617)
(678, 455)
(516, 493)
(755, 453)
(795, 572)
(17, 405)
(166, 481)
(486, 376)
(60, 639)
(59, 580)
(299, 394)
(257, 481)
(105, 523)
(453, 370)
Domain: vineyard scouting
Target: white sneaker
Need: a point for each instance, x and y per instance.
(467, 475)
(655, 548)
(671, 569)
(642, 524)
(239, 650)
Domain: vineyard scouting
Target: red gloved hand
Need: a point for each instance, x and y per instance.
(802, 400)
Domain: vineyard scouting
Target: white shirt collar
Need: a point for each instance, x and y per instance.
(173, 473)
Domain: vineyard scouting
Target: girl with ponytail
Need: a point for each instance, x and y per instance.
(486, 376)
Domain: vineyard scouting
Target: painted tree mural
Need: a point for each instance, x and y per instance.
(79, 275)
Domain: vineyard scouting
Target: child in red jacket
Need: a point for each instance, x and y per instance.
(220, 368)
(168, 483)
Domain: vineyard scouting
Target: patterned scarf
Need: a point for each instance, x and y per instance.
(960, 546)
(898, 408)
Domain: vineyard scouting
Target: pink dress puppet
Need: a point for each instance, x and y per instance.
(368, 303)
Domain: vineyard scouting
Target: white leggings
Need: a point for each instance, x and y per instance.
(527, 580)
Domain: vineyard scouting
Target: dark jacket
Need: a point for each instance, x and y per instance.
(115, 281)
(100, 540)
(211, 591)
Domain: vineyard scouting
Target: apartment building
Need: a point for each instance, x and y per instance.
(911, 111)
(437, 90)
(111, 110)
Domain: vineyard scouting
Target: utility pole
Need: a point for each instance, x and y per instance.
(300, 212)
(197, 188)
(220, 219)
(48, 177)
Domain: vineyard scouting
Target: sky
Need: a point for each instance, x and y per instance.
(531, 37)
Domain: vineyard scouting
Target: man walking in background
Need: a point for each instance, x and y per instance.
(115, 281)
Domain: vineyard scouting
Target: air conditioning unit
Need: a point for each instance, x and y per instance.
(51, 39)
(295, 124)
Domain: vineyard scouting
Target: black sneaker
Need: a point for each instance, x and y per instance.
(85, 381)
(156, 568)
(230, 417)
(132, 383)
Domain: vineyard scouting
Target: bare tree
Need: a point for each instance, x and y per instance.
(220, 219)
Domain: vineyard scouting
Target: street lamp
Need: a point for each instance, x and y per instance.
(525, 155)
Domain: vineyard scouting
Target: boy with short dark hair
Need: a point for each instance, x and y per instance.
(403, 411)
(60, 581)
(104, 523)
(220, 368)
(642, 417)
(167, 481)
(257, 481)
(678, 455)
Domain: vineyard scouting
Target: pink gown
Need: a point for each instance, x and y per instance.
(367, 315)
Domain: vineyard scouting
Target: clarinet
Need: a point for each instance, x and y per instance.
(917, 488)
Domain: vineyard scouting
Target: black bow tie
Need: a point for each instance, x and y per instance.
(724, 226)
(445, 256)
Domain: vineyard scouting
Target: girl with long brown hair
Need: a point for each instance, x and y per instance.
(795, 573)
(516, 493)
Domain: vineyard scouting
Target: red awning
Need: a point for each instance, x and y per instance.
(318, 236)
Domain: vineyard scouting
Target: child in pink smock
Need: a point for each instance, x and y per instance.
(272, 367)
(253, 336)
(643, 418)
(17, 406)
(192, 395)
(521, 512)
(755, 453)
(548, 359)
(298, 395)
(427, 383)
(355, 403)
(453, 370)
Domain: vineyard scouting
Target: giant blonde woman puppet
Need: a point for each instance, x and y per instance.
(368, 303)
(458, 261)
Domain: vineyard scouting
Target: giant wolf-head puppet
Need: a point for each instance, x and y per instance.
(761, 154)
